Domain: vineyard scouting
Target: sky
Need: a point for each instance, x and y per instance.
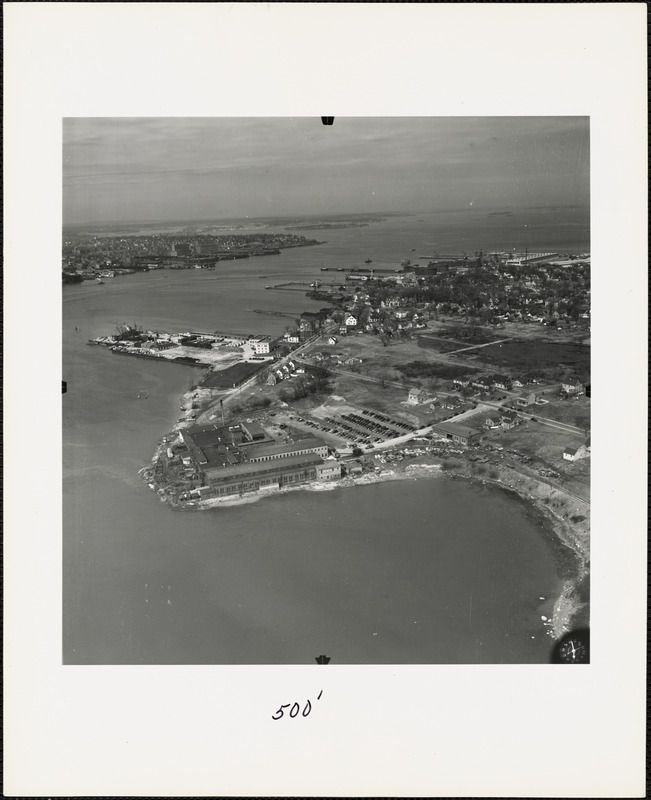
(158, 169)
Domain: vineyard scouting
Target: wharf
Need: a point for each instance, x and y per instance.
(185, 360)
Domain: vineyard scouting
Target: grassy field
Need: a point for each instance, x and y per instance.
(390, 361)
(525, 355)
(439, 345)
(574, 412)
(540, 442)
(429, 369)
(466, 335)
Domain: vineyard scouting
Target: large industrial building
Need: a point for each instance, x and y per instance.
(243, 458)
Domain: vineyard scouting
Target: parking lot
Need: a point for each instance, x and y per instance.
(361, 427)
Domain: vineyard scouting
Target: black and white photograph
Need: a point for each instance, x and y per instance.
(329, 390)
(325, 401)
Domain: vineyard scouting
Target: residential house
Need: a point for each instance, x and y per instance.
(416, 396)
(502, 382)
(461, 381)
(572, 387)
(272, 380)
(484, 383)
(332, 340)
(510, 420)
(570, 454)
(518, 384)
(350, 321)
(452, 402)
(525, 399)
(491, 422)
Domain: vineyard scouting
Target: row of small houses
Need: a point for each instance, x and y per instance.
(288, 370)
(336, 358)
(418, 396)
(488, 382)
(570, 387)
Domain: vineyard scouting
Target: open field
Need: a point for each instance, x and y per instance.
(439, 344)
(430, 369)
(465, 335)
(540, 442)
(468, 333)
(574, 412)
(388, 362)
(525, 355)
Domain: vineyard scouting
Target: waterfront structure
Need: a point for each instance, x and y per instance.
(243, 458)
(260, 346)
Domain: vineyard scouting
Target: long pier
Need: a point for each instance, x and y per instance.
(273, 313)
(292, 286)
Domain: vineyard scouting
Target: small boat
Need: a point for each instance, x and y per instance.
(368, 261)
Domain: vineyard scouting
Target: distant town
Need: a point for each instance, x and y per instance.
(87, 257)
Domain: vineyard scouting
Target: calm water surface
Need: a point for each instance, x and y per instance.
(429, 571)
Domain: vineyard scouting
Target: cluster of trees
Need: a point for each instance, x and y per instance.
(316, 379)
